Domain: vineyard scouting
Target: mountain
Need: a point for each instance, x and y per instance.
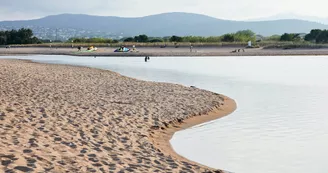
(166, 24)
(321, 20)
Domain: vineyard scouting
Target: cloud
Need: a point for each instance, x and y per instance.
(231, 9)
(58, 6)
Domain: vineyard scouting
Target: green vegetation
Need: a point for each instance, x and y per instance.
(244, 36)
(129, 39)
(317, 36)
(228, 38)
(273, 38)
(315, 39)
(290, 37)
(22, 36)
(141, 38)
(92, 40)
(240, 36)
(156, 40)
(175, 38)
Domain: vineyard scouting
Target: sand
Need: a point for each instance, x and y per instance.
(169, 51)
(60, 118)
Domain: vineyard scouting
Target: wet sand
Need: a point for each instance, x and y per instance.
(169, 51)
(58, 118)
(161, 138)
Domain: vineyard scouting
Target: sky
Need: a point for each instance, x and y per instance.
(223, 9)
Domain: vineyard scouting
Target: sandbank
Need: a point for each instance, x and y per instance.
(58, 118)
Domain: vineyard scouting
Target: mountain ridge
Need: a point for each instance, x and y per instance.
(322, 20)
(166, 24)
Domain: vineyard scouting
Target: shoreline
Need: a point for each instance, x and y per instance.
(141, 139)
(160, 52)
(161, 138)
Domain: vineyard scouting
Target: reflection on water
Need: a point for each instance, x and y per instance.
(281, 124)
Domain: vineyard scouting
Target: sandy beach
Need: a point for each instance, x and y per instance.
(168, 51)
(60, 118)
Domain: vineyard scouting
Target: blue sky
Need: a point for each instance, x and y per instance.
(224, 9)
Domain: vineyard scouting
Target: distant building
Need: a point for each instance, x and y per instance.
(302, 35)
(259, 38)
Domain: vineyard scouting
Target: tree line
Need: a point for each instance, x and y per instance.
(25, 36)
(240, 36)
(92, 40)
(21, 36)
(315, 36)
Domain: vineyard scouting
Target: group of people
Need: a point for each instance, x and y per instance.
(237, 50)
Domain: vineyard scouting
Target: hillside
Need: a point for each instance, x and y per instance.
(165, 24)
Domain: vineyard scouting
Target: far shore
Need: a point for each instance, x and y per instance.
(168, 51)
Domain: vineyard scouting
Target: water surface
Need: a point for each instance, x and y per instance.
(280, 125)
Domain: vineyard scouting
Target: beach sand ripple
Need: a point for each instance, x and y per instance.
(58, 118)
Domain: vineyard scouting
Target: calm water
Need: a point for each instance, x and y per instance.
(280, 126)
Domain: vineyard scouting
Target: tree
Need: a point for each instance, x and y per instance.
(244, 36)
(3, 38)
(193, 39)
(175, 39)
(25, 36)
(322, 37)
(213, 39)
(22, 36)
(313, 35)
(141, 38)
(290, 37)
(89, 40)
(228, 38)
(129, 39)
(247, 33)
